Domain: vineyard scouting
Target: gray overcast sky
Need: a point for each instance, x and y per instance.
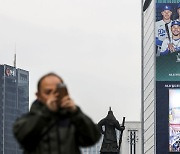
(95, 45)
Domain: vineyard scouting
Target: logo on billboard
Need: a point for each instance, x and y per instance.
(10, 72)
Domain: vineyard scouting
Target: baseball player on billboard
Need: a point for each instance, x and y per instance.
(160, 29)
(172, 44)
(178, 11)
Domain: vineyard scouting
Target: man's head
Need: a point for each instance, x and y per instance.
(47, 86)
(166, 12)
(175, 28)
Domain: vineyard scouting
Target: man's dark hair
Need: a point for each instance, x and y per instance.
(47, 75)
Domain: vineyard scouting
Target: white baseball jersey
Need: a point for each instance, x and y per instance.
(160, 32)
(164, 47)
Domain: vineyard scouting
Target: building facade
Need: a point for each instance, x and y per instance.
(131, 140)
(148, 80)
(160, 77)
(14, 101)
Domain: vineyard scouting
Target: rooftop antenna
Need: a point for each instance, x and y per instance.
(15, 56)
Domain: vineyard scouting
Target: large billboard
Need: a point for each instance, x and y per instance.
(167, 38)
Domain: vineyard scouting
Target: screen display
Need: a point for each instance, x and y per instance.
(174, 120)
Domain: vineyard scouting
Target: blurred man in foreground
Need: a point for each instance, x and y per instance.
(54, 125)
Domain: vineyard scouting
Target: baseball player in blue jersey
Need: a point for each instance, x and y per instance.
(160, 30)
(173, 44)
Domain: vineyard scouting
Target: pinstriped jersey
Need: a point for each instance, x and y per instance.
(175, 42)
(160, 31)
(161, 34)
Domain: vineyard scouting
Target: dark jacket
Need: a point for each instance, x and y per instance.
(44, 132)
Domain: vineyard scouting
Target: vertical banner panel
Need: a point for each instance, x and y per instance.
(167, 50)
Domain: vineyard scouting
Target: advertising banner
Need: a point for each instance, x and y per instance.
(167, 33)
(167, 38)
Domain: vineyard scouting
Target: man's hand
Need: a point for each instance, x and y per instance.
(52, 103)
(171, 47)
(68, 103)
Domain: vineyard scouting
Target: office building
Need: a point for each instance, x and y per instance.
(14, 101)
(131, 142)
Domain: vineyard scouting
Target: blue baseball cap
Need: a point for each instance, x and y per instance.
(175, 22)
(167, 7)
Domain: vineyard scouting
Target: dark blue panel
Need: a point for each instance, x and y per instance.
(162, 115)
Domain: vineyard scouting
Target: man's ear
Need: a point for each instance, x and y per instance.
(37, 95)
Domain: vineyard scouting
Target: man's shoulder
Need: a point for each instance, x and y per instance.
(160, 22)
(36, 105)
